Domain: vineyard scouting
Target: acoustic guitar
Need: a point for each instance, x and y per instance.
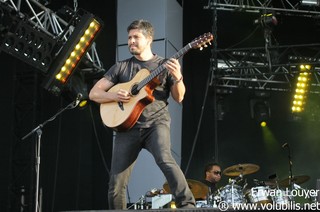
(122, 116)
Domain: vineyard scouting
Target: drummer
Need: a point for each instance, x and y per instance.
(212, 176)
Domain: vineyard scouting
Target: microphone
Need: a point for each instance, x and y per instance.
(78, 99)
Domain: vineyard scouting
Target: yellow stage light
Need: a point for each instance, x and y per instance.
(71, 54)
(260, 111)
(301, 90)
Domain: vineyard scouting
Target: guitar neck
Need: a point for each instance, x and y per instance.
(161, 68)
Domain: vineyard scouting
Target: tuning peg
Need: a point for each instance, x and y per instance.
(201, 48)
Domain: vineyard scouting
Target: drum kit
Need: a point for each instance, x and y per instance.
(236, 191)
(273, 191)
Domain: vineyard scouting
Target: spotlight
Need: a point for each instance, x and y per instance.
(260, 111)
(266, 20)
(263, 124)
(72, 52)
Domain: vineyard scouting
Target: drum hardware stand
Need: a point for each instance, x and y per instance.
(233, 181)
(139, 205)
(38, 130)
(212, 199)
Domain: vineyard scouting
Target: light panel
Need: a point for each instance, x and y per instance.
(301, 89)
(72, 52)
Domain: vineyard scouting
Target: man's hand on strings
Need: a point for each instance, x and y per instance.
(123, 96)
(174, 68)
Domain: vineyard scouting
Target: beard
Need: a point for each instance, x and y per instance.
(135, 50)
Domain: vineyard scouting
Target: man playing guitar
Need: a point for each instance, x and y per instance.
(151, 127)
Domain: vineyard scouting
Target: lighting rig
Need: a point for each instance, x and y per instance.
(272, 67)
(58, 45)
(53, 42)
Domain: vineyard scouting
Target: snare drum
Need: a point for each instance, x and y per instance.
(259, 194)
(232, 194)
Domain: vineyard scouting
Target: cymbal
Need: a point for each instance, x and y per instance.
(295, 179)
(198, 189)
(243, 169)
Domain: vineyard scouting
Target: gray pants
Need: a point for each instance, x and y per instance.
(126, 149)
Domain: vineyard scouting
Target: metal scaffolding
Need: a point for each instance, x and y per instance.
(286, 7)
(264, 68)
(249, 68)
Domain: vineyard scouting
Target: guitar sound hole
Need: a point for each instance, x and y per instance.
(134, 90)
(120, 104)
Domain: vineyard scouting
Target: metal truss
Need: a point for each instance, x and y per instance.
(53, 24)
(250, 67)
(269, 67)
(286, 7)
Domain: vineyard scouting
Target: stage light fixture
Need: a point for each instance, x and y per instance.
(301, 89)
(71, 53)
(263, 124)
(25, 42)
(266, 20)
(260, 111)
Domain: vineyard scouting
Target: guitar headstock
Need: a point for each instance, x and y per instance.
(202, 41)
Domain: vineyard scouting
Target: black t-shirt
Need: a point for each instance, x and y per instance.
(157, 111)
(211, 186)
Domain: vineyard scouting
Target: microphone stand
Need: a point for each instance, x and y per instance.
(38, 130)
(290, 167)
(233, 181)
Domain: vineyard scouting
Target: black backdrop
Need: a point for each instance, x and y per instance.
(76, 148)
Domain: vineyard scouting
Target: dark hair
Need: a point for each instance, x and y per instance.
(209, 166)
(143, 25)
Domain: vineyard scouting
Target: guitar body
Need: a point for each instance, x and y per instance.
(122, 116)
